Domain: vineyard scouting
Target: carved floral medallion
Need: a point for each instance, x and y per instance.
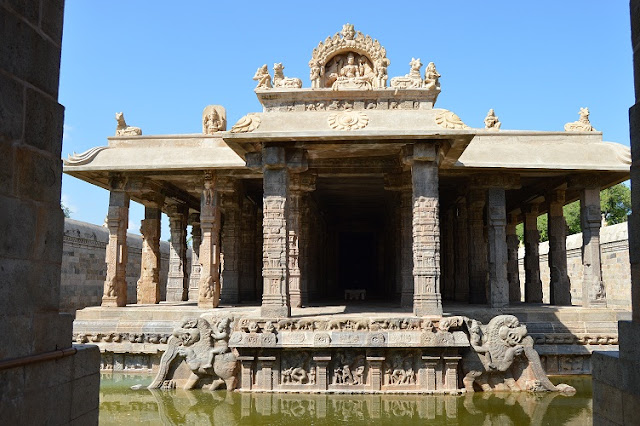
(348, 120)
(450, 120)
(246, 124)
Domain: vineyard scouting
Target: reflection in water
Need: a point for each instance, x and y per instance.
(121, 405)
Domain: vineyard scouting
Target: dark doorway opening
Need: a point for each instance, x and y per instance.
(358, 261)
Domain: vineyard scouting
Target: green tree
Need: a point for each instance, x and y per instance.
(66, 210)
(615, 203)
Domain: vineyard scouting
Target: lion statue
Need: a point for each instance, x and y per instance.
(205, 351)
(496, 361)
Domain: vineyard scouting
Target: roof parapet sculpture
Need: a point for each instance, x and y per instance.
(413, 79)
(263, 78)
(123, 129)
(491, 122)
(246, 124)
(214, 119)
(84, 157)
(279, 80)
(582, 125)
(449, 120)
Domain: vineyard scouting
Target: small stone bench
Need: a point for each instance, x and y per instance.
(355, 294)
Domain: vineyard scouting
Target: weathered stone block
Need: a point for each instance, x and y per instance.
(17, 222)
(38, 176)
(45, 117)
(51, 331)
(51, 20)
(85, 396)
(11, 112)
(608, 402)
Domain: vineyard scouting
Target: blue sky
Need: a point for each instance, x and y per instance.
(535, 63)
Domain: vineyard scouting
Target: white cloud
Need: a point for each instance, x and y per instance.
(64, 199)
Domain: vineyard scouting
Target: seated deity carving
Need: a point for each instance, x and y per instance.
(582, 125)
(343, 73)
(213, 119)
(263, 78)
(491, 122)
(413, 79)
(431, 78)
(502, 357)
(123, 129)
(279, 80)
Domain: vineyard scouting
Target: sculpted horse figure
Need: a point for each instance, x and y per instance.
(206, 352)
(496, 361)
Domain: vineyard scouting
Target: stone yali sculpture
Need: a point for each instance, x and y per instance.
(502, 357)
(125, 130)
(205, 351)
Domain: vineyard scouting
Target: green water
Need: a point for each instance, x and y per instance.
(119, 405)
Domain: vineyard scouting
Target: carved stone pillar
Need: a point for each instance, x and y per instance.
(593, 291)
(322, 362)
(196, 240)
(148, 290)
(448, 285)
(247, 251)
(451, 372)
(513, 274)
(246, 372)
(430, 365)
(426, 231)
(298, 238)
(461, 252)
(115, 285)
(375, 368)
(478, 262)
(559, 284)
(275, 271)
(403, 185)
(230, 236)
(266, 370)
(177, 278)
(497, 248)
(532, 284)
(209, 285)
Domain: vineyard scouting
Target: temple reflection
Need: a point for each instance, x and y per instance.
(118, 404)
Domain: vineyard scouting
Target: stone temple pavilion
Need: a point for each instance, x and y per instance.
(357, 187)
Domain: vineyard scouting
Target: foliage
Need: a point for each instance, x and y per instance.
(66, 210)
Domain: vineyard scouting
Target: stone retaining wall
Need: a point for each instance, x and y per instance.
(84, 268)
(616, 272)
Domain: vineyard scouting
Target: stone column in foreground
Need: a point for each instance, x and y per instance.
(478, 262)
(497, 248)
(513, 274)
(533, 284)
(196, 240)
(275, 251)
(209, 285)
(461, 252)
(115, 285)
(178, 278)
(426, 231)
(230, 236)
(593, 291)
(559, 284)
(148, 291)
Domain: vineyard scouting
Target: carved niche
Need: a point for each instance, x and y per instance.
(349, 61)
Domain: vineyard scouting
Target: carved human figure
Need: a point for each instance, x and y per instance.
(491, 122)
(431, 78)
(315, 72)
(381, 72)
(123, 129)
(211, 122)
(263, 78)
(350, 70)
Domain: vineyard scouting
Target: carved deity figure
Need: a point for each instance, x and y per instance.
(491, 122)
(495, 360)
(263, 77)
(348, 31)
(125, 130)
(315, 72)
(279, 80)
(349, 74)
(431, 78)
(582, 125)
(214, 119)
(204, 349)
(381, 72)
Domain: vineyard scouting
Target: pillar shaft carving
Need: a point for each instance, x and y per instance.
(497, 248)
(196, 240)
(532, 284)
(426, 231)
(513, 273)
(115, 285)
(209, 285)
(230, 236)
(559, 285)
(275, 252)
(294, 240)
(593, 291)
(448, 242)
(178, 277)
(478, 265)
(148, 290)
(247, 250)
(461, 253)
